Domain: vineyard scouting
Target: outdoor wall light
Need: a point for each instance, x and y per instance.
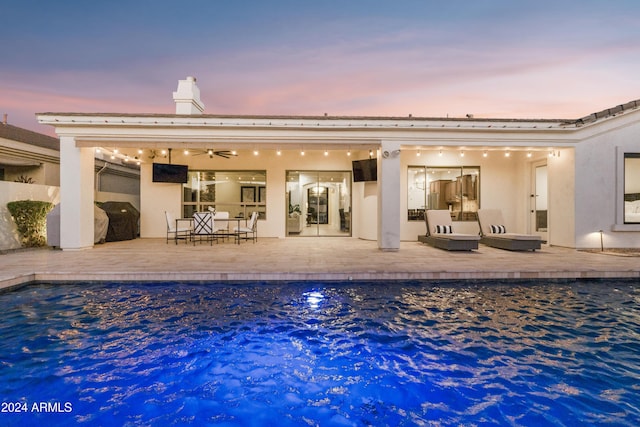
(485, 154)
(461, 153)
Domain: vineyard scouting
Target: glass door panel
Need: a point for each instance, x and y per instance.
(319, 203)
(541, 198)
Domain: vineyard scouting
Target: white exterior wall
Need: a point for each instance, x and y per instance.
(598, 176)
(155, 199)
(562, 207)
(76, 195)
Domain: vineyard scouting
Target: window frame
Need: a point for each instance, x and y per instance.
(629, 196)
(620, 224)
(463, 214)
(195, 202)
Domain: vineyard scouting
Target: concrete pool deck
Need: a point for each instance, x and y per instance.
(300, 258)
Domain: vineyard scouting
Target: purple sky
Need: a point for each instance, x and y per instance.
(490, 58)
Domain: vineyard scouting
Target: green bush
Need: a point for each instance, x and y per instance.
(30, 217)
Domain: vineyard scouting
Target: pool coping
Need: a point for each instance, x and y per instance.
(61, 278)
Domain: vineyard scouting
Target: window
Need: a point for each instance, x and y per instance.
(454, 188)
(632, 188)
(237, 192)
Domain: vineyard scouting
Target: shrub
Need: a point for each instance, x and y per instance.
(30, 217)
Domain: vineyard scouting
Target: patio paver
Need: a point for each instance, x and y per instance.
(320, 258)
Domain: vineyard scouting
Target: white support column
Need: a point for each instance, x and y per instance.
(76, 195)
(389, 196)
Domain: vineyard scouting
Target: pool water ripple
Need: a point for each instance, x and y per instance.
(344, 354)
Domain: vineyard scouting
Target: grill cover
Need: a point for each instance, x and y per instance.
(123, 221)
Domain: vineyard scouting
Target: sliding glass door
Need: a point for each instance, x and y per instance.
(319, 203)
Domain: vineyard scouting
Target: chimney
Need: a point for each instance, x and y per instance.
(187, 97)
(4, 118)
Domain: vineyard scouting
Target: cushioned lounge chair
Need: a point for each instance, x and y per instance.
(494, 233)
(440, 233)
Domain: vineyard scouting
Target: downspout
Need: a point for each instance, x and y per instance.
(98, 176)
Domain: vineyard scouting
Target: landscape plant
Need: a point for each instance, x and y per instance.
(30, 217)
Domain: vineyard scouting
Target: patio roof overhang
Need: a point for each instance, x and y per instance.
(157, 131)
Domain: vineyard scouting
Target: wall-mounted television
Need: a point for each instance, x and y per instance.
(365, 170)
(163, 172)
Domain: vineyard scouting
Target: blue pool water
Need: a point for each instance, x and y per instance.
(314, 354)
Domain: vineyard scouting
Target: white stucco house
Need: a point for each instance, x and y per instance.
(572, 181)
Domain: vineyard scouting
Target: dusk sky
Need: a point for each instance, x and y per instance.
(490, 58)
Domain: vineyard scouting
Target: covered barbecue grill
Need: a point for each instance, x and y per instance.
(123, 221)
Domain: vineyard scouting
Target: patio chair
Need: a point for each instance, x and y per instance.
(179, 228)
(440, 233)
(223, 223)
(249, 231)
(204, 227)
(494, 233)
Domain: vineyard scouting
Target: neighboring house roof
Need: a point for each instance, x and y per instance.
(15, 133)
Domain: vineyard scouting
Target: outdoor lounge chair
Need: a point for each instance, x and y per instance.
(178, 228)
(440, 233)
(494, 233)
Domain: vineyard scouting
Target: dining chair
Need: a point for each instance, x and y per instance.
(204, 227)
(249, 231)
(179, 228)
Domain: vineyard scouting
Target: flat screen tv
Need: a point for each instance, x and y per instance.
(163, 172)
(365, 170)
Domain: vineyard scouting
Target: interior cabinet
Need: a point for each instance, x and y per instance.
(438, 194)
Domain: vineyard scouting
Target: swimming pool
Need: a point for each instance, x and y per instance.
(321, 354)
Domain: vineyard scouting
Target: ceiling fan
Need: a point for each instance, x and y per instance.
(222, 153)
